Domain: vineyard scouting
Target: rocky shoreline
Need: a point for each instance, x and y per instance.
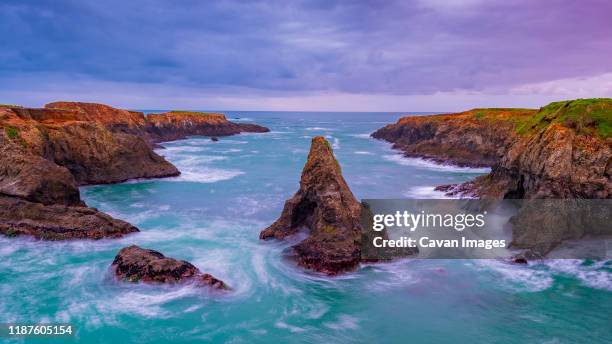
(46, 153)
(561, 151)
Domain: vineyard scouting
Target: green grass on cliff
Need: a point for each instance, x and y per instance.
(11, 132)
(586, 116)
(10, 106)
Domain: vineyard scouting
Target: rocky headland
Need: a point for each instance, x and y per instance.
(176, 125)
(46, 153)
(561, 151)
(136, 264)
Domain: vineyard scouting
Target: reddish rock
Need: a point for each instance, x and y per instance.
(136, 264)
(176, 125)
(325, 206)
(57, 222)
(112, 118)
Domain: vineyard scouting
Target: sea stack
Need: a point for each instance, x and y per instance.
(324, 205)
(136, 264)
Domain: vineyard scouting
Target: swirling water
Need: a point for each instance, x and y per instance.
(212, 214)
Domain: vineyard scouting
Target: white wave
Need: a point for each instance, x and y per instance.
(182, 149)
(426, 192)
(516, 277)
(148, 301)
(206, 175)
(361, 136)
(291, 328)
(589, 275)
(336, 144)
(363, 153)
(242, 119)
(344, 322)
(431, 165)
(318, 129)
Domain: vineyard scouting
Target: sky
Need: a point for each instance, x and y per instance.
(317, 55)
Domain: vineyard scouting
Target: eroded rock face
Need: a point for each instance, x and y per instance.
(86, 147)
(561, 151)
(33, 178)
(136, 264)
(554, 152)
(57, 221)
(325, 205)
(475, 138)
(175, 125)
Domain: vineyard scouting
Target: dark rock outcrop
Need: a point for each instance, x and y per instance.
(136, 264)
(57, 221)
(176, 125)
(325, 205)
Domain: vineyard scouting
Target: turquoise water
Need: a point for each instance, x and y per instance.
(212, 214)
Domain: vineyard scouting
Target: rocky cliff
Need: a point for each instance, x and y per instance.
(175, 125)
(562, 150)
(136, 264)
(325, 206)
(41, 199)
(45, 154)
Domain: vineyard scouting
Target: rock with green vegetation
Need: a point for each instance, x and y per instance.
(325, 206)
(562, 150)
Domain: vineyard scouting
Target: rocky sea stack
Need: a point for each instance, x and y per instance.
(136, 264)
(326, 207)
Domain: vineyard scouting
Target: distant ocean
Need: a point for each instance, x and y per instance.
(212, 214)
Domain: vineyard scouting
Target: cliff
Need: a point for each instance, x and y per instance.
(38, 198)
(175, 125)
(325, 206)
(559, 151)
(562, 150)
(84, 145)
(45, 154)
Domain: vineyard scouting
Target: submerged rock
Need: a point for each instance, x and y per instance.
(325, 205)
(214, 139)
(136, 264)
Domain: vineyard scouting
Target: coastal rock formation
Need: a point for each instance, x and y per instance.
(475, 138)
(136, 264)
(45, 154)
(325, 205)
(38, 198)
(176, 125)
(57, 221)
(562, 150)
(85, 146)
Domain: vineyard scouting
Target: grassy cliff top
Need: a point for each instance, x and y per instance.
(586, 116)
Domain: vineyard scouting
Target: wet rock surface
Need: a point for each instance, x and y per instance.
(326, 207)
(136, 264)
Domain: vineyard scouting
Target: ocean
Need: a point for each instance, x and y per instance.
(212, 214)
